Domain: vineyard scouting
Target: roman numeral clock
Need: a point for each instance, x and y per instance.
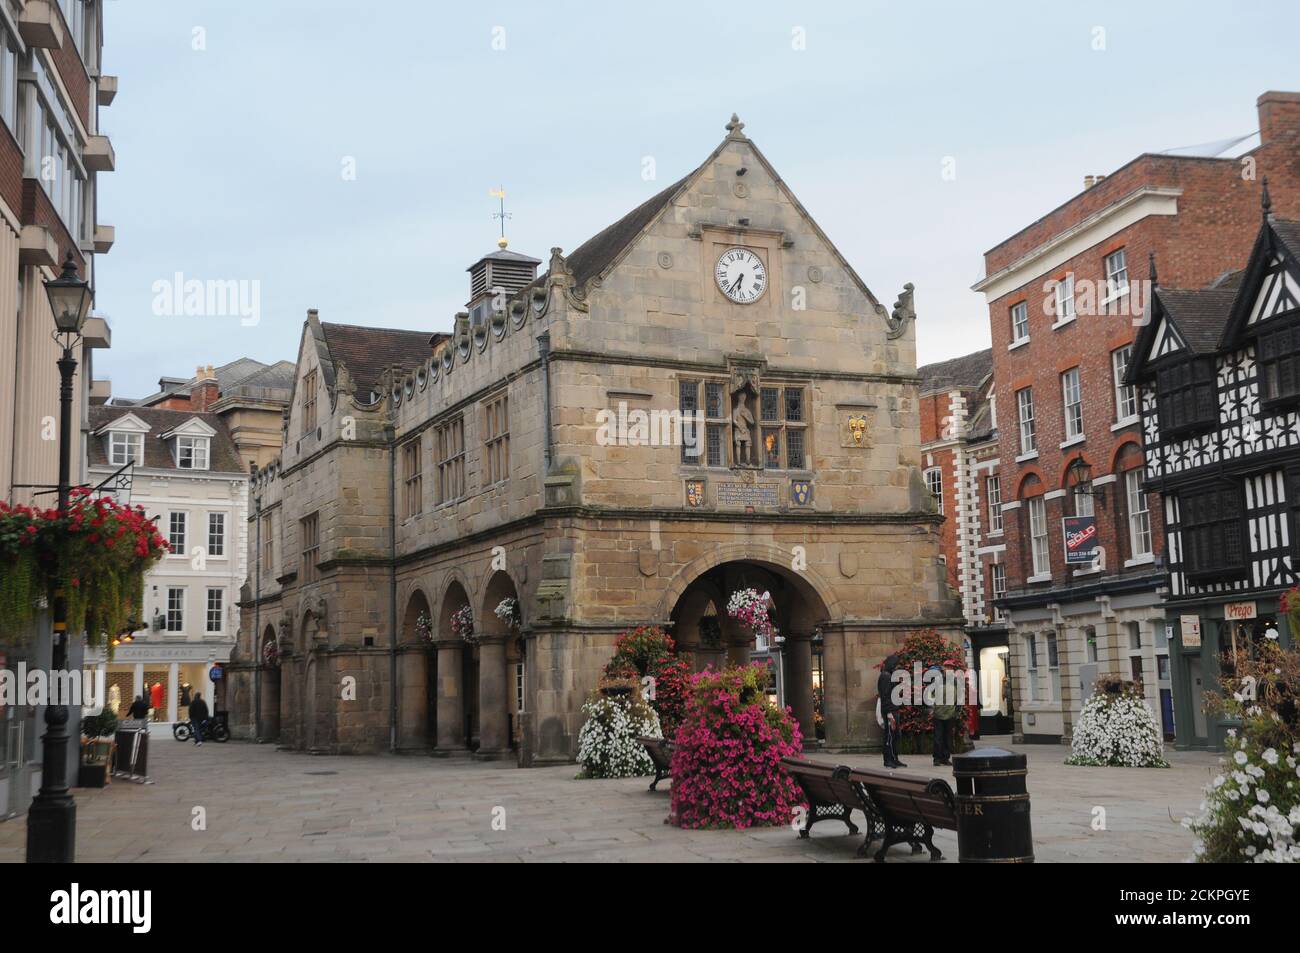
(741, 275)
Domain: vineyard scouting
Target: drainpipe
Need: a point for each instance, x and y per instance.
(544, 349)
(392, 582)
(257, 623)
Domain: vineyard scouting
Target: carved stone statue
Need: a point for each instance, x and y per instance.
(742, 424)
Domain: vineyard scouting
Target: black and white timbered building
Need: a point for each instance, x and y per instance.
(1219, 370)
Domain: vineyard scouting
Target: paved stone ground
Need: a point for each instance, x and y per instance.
(268, 805)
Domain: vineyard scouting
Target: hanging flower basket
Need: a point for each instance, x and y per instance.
(507, 611)
(752, 608)
(424, 628)
(270, 654)
(96, 551)
(462, 625)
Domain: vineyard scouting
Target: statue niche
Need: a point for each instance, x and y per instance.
(744, 417)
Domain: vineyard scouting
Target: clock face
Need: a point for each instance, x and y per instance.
(741, 275)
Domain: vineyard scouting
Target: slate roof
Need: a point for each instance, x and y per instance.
(368, 352)
(222, 455)
(959, 373)
(1289, 232)
(1199, 315)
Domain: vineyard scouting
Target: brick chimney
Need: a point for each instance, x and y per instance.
(1279, 149)
(204, 392)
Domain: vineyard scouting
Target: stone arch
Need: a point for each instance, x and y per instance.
(499, 655)
(759, 553)
(416, 674)
(268, 721)
(456, 697)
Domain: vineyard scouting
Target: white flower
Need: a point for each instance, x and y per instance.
(1270, 755)
(1240, 757)
(1262, 795)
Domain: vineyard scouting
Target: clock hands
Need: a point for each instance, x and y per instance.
(736, 284)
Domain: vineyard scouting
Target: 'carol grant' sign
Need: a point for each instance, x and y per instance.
(1080, 539)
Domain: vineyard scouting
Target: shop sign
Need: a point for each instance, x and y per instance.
(1238, 611)
(1191, 626)
(215, 673)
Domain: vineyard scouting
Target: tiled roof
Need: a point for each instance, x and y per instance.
(368, 352)
(1200, 315)
(158, 454)
(960, 373)
(1289, 232)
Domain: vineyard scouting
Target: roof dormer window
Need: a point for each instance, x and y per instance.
(125, 447)
(192, 453)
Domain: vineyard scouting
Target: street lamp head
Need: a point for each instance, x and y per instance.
(70, 298)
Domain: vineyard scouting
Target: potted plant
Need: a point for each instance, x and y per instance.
(96, 748)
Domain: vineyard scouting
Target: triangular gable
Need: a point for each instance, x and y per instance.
(1279, 292)
(194, 427)
(647, 214)
(128, 423)
(1167, 340)
(1270, 286)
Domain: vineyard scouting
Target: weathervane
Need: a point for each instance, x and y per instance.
(499, 193)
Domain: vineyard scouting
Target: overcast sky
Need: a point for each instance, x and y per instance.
(239, 123)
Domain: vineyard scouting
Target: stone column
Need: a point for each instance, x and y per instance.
(412, 698)
(137, 681)
(493, 725)
(173, 673)
(451, 705)
(797, 653)
(738, 640)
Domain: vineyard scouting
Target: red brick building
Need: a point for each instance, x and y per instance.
(1066, 297)
(959, 460)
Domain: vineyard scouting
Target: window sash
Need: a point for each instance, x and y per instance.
(993, 492)
(215, 610)
(1064, 290)
(176, 609)
(216, 534)
(1025, 406)
(1019, 321)
(1126, 404)
(934, 483)
(176, 531)
(1139, 516)
(1038, 535)
(1072, 402)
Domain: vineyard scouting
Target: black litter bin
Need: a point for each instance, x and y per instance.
(992, 807)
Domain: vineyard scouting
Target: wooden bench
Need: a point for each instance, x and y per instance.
(908, 809)
(830, 794)
(660, 751)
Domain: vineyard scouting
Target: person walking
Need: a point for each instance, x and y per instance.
(889, 711)
(198, 717)
(139, 708)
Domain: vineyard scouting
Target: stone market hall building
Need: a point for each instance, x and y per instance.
(537, 454)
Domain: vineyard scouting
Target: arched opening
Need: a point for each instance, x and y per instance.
(416, 675)
(457, 668)
(269, 708)
(500, 665)
(797, 610)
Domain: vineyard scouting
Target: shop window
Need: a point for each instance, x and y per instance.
(1278, 356)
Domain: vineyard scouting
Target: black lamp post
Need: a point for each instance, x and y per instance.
(52, 818)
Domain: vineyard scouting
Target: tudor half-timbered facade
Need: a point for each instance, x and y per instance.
(1220, 374)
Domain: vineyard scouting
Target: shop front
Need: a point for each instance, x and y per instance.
(167, 676)
(1212, 638)
(989, 653)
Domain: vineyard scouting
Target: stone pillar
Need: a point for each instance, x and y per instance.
(137, 682)
(173, 673)
(738, 640)
(493, 724)
(797, 652)
(412, 698)
(451, 705)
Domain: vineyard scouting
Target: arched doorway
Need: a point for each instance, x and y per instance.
(500, 659)
(797, 611)
(457, 686)
(416, 674)
(269, 707)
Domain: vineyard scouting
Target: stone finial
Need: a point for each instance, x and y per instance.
(903, 312)
(735, 128)
(1266, 201)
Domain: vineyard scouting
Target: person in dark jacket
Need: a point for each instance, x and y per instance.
(198, 717)
(139, 708)
(889, 712)
(943, 715)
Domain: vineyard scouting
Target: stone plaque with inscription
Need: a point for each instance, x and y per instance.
(748, 494)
